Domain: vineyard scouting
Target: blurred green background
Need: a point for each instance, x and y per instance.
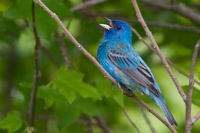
(74, 100)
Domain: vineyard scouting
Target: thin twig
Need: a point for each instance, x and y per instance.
(101, 124)
(195, 118)
(86, 5)
(95, 62)
(155, 46)
(32, 103)
(190, 89)
(174, 26)
(64, 51)
(49, 55)
(139, 101)
(133, 124)
(75, 42)
(147, 119)
(170, 62)
(181, 71)
(11, 60)
(89, 125)
(179, 8)
(169, 26)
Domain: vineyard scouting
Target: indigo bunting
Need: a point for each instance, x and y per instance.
(117, 56)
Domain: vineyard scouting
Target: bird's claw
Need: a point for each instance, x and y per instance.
(127, 92)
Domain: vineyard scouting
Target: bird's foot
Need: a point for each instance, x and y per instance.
(125, 91)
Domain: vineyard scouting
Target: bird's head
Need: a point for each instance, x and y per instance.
(117, 30)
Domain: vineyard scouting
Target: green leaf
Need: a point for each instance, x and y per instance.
(49, 95)
(12, 122)
(70, 83)
(195, 95)
(118, 97)
(110, 91)
(61, 8)
(45, 24)
(66, 113)
(19, 9)
(89, 107)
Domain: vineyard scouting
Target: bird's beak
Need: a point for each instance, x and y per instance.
(105, 26)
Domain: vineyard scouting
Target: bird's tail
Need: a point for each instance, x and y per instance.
(161, 103)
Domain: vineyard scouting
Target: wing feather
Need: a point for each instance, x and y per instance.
(135, 71)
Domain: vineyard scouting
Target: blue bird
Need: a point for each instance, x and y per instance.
(117, 56)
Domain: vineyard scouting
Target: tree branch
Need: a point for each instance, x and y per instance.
(132, 123)
(49, 55)
(64, 51)
(174, 26)
(36, 72)
(101, 124)
(195, 118)
(89, 125)
(169, 26)
(147, 119)
(190, 89)
(170, 62)
(75, 42)
(139, 101)
(95, 62)
(179, 8)
(86, 5)
(155, 46)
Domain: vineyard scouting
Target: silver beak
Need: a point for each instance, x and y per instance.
(105, 26)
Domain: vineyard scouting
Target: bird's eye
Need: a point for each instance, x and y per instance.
(118, 27)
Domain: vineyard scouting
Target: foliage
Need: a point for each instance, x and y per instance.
(69, 99)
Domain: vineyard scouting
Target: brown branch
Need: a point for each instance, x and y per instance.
(89, 125)
(170, 62)
(86, 5)
(190, 89)
(195, 118)
(147, 119)
(181, 71)
(139, 101)
(101, 124)
(32, 103)
(169, 26)
(133, 124)
(174, 26)
(179, 8)
(49, 55)
(75, 42)
(8, 73)
(155, 46)
(95, 62)
(63, 48)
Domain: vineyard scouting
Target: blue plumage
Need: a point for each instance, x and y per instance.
(122, 62)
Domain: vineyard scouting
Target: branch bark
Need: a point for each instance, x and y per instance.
(179, 8)
(195, 118)
(133, 124)
(147, 119)
(101, 124)
(188, 126)
(63, 48)
(155, 46)
(86, 4)
(32, 103)
(169, 61)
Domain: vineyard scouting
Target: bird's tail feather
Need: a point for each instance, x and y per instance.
(166, 111)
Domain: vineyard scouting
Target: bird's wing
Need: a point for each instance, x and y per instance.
(133, 67)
